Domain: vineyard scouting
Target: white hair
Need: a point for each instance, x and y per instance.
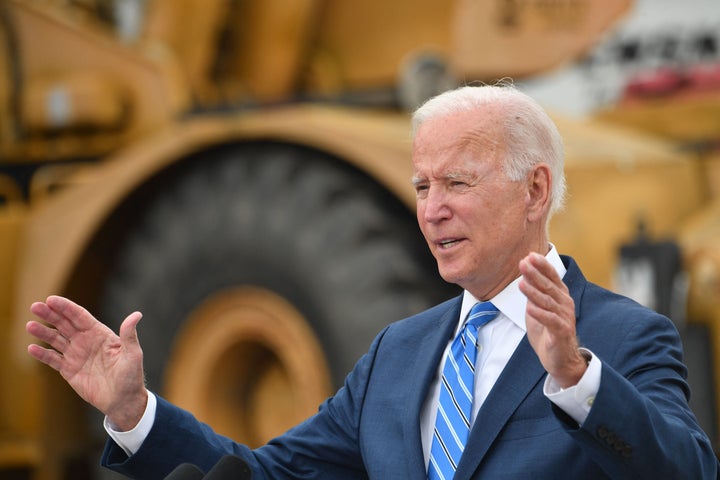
(531, 136)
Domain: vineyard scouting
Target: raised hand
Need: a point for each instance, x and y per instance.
(105, 369)
(550, 320)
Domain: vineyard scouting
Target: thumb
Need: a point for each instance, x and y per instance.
(128, 330)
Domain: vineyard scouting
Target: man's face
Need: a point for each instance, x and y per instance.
(473, 217)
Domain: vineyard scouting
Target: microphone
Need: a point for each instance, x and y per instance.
(229, 467)
(185, 471)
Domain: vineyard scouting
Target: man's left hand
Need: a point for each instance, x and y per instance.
(550, 320)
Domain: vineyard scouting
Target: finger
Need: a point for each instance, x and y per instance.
(545, 304)
(543, 265)
(128, 330)
(544, 317)
(80, 318)
(537, 295)
(538, 271)
(549, 302)
(54, 318)
(540, 277)
(48, 335)
(47, 356)
(41, 310)
(558, 325)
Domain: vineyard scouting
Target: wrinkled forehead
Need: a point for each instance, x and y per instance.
(478, 128)
(458, 143)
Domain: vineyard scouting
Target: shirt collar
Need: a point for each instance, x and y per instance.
(510, 301)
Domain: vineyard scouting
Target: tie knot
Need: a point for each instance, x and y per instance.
(481, 313)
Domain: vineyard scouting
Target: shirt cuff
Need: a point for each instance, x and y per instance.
(131, 440)
(577, 400)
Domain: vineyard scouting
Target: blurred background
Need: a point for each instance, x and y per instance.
(239, 171)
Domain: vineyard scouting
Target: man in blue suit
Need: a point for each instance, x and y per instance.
(568, 380)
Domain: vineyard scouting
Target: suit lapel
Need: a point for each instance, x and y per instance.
(422, 367)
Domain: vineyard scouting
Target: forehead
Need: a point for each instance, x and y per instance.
(462, 142)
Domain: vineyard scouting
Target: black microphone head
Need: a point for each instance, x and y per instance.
(229, 467)
(185, 471)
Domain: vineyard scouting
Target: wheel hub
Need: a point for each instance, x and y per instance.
(247, 363)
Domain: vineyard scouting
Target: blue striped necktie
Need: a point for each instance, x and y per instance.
(452, 426)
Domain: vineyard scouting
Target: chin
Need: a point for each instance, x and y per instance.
(450, 277)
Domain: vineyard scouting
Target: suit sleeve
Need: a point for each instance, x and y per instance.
(324, 446)
(640, 425)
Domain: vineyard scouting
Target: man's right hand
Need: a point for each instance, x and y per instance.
(106, 370)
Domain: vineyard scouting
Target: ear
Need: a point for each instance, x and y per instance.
(539, 187)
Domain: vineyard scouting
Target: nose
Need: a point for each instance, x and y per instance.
(434, 207)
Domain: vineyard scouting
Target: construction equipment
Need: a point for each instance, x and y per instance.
(239, 172)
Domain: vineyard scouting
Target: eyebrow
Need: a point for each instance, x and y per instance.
(415, 180)
(456, 175)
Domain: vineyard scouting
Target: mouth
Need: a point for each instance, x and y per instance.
(449, 243)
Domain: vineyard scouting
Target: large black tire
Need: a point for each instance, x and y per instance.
(347, 255)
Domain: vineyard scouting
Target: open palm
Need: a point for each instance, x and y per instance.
(103, 368)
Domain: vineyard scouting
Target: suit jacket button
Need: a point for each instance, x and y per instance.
(626, 451)
(602, 432)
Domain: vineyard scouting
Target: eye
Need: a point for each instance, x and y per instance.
(421, 190)
(459, 185)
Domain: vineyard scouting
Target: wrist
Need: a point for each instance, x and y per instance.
(128, 415)
(579, 366)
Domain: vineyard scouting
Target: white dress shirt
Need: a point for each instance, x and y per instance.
(497, 341)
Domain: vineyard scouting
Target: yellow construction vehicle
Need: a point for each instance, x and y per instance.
(239, 171)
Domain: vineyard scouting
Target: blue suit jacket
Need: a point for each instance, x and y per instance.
(639, 426)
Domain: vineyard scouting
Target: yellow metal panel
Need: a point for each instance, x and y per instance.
(615, 179)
